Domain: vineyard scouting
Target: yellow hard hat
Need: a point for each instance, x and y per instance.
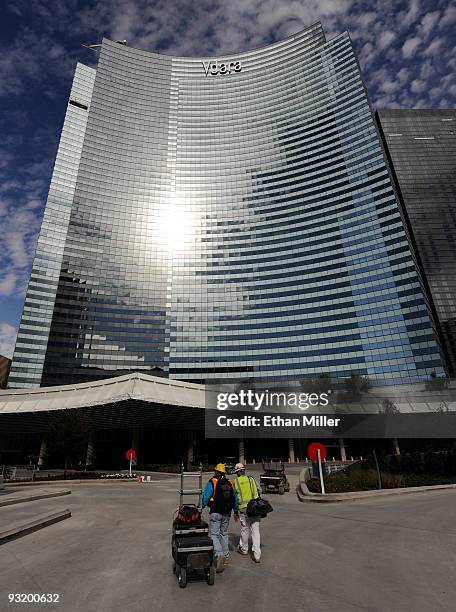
(220, 467)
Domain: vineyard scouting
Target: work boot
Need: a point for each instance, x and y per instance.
(220, 564)
(226, 561)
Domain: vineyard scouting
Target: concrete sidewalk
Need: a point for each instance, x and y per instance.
(376, 555)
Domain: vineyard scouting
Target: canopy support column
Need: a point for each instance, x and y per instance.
(241, 451)
(90, 454)
(42, 453)
(343, 454)
(291, 452)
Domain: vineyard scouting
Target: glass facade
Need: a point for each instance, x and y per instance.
(421, 144)
(229, 218)
(37, 315)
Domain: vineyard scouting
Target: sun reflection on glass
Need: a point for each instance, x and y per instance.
(177, 225)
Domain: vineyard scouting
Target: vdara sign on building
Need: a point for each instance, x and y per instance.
(215, 67)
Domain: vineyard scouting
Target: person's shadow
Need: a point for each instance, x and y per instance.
(233, 540)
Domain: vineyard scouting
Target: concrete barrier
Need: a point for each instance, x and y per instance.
(39, 522)
(19, 497)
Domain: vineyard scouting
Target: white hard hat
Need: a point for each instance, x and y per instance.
(238, 467)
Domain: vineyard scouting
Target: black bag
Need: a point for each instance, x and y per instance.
(258, 508)
(223, 497)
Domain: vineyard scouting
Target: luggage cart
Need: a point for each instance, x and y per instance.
(191, 547)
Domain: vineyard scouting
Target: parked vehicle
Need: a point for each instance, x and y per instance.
(273, 477)
(230, 462)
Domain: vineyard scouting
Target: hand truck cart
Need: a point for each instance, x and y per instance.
(191, 547)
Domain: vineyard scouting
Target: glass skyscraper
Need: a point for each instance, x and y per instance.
(224, 218)
(422, 146)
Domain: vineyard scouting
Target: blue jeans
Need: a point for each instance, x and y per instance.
(219, 533)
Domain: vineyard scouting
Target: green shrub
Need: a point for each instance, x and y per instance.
(424, 480)
(69, 475)
(437, 383)
(392, 463)
(450, 462)
(367, 480)
(359, 480)
(357, 385)
(171, 468)
(441, 463)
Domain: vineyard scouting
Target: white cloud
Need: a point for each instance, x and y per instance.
(365, 20)
(367, 54)
(15, 242)
(7, 340)
(428, 22)
(31, 57)
(448, 79)
(403, 75)
(386, 101)
(410, 46)
(449, 17)
(389, 86)
(434, 47)
(427, 70)
(20, 222)
(7, 284)
(412, 14)
(208, 28)
(420, 104)
(385, 39)
(417, 86)
(5, 158)
(435, 93)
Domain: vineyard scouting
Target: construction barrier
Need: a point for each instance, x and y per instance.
(145, 479)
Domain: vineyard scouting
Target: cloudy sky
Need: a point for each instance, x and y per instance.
(407, 50)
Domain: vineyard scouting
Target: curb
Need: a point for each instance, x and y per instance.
(38, 523)
(318, 498)
(33, 497)
(59, 483)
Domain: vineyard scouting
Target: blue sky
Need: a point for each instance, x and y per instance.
(406, 48)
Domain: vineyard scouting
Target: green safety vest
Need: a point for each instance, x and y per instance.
(247, 489)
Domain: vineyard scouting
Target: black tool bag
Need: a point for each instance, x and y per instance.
(188, 515)
(259, 508)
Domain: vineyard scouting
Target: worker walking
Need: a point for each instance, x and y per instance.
(220, 496)
(247, 489)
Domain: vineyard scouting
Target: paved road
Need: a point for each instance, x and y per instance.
(114, 555)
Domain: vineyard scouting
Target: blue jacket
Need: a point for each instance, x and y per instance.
(209, 492)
